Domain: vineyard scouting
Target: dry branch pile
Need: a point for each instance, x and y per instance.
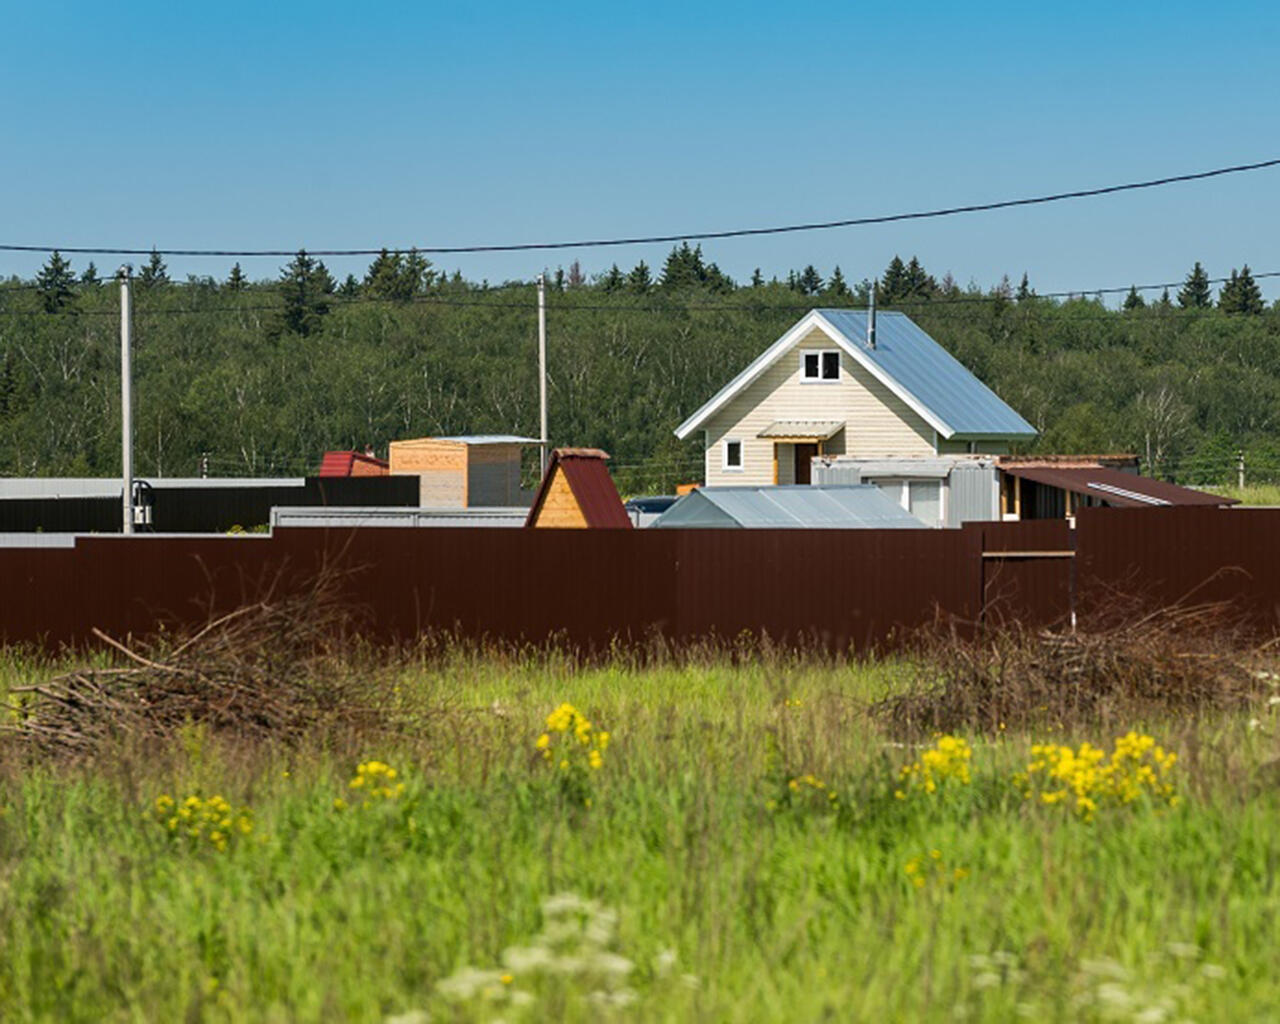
(1118, 668)
(269, 669)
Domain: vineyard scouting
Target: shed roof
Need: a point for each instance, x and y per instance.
(854, 506)
(1116, 487)
(908, 362)
(342, 463)
(588, 477)
(474, 439)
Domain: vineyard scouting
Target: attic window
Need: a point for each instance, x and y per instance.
(820, 365)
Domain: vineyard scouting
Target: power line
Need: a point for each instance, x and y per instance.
(682, 236)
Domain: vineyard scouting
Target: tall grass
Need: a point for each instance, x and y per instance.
(776, 906)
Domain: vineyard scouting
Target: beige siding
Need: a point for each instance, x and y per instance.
(877, 422)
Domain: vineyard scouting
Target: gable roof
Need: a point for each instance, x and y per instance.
(791, 506)
(593, 488)
(344, 463)
(907, 361)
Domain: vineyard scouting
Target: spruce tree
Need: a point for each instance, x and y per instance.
(306, 286)
(350, 288)
(1164, 302)
(155, 273)
(90, 278)
(1133, 300)
(640, 279)
(1195, 293)
(684, 267)
(1024, 289)
(837, 287)
(613, 281)
(757, 278)
(236, 281)
(893, 284)
(810, 282)
(416, 275)
(384, 278)
(919, 285)
(717, 280)
(55, 284)
(1241, 294)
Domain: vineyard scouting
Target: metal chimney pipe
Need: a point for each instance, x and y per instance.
(871, 319)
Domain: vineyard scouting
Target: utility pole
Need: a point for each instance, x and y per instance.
(126, 396)
(1240, 469)
(542, 375)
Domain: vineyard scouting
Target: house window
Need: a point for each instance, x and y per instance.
(824, 365)
(733, 454)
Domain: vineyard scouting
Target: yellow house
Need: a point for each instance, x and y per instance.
(841, 382)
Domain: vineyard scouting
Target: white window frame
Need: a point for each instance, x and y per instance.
(724, 457)
(820, 353)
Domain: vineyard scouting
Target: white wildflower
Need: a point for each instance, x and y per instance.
(465, 982)
(1183, 950)
(987, 979)
(664, 962)
(1214, 971)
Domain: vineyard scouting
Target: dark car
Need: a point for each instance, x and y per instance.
(643, 511)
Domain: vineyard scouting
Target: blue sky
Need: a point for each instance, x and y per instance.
(238, 125)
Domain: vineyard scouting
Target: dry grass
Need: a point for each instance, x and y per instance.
(274, 669)
(1119, 667)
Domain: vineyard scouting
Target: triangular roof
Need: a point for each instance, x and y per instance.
(593, 489)
(907, 361)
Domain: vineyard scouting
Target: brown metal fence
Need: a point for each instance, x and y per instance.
(833, 588)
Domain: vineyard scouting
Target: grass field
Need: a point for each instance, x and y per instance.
(738, 855)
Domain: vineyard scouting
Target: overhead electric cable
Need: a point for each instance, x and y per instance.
(681, 236)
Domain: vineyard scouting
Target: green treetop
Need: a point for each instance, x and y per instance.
(1133, 300)
(640, 280)
(1195, 293)
(55, 284)
(1241, 294)
(306, 286)
(155, 273)
(236, 281)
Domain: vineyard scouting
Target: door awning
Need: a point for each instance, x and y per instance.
(801, 430)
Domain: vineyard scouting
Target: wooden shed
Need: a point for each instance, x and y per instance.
(476, 470)
(577, 492)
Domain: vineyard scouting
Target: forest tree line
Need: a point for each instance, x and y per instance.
(261, 377)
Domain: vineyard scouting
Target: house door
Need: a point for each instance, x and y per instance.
(804, 456)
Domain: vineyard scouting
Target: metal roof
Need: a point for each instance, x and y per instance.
(856, 506)
(907, 361)
(1116, 487)
(486, 439)
(820, 430)
(931, 374)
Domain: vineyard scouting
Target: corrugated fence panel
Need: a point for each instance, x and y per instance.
(834, 588)
(1168, 556)
(1027, 571)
